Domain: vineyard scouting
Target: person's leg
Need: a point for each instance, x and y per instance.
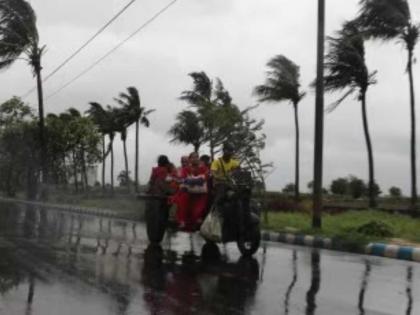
(181, 201)
(219, 194)
(198, 207)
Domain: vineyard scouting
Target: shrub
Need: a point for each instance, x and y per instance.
(376, 228)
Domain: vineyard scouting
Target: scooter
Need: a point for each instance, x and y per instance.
(241, 214)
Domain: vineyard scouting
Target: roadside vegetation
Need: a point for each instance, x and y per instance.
(357, 226)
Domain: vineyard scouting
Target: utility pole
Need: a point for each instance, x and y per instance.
(319, 119)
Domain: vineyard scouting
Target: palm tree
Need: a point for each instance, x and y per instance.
(123, 121)
(101, 118)
(282, 84)
(213, 106)
(139, 115)
(188, 130)
(386, 20)
(113, 128)
(19, 35)
(346, 69)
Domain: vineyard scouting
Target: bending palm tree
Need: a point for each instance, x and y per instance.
(102, 120)
(123, 120)
(346, 69)
(19, 35)
(188, 130)
(282, 84)
(213, 104)
(132, 105)
(391, 19)
(113, 128)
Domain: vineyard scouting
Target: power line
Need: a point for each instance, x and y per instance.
(144, 25)
(91, 39)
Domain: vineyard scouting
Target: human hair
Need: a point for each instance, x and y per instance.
(228, 148)
(163, 160)
(205, 159)
(193, 154)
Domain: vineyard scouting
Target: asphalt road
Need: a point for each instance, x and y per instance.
(53, 263)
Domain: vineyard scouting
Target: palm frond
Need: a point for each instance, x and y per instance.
(202, 84)
(334, 105)
(187, 128)
(282, 82)
(345, 61)
(222, 95)
(18, 30)
(383, 19)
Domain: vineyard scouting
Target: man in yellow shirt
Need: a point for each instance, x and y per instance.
(222, 167)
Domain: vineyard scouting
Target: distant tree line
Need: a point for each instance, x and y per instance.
(72, 148)
(75, 143)
(350, 186)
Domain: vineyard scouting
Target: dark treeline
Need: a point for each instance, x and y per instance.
(72, 149)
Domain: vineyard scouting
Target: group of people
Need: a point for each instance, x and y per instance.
(193, 186)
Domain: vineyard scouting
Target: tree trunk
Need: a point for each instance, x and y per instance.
(136, 171)
(126, 162)
(413, 133)
(65, 180)
(211, 144)
(76, 184)
(372, 197)
(319, 119)
(297, 195)
(103, 163)
(44, 165)
(9, 185)
(112, 163)
(85, 179)
(196, 147)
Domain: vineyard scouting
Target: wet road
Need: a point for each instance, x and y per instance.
(56, 263)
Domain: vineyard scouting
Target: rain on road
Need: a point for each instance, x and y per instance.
(60, 263)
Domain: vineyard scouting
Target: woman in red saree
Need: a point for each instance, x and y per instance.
(163, 178)
(191, 199)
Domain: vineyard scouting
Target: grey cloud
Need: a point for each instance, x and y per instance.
(232, 40)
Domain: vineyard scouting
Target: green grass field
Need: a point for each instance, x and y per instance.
(405, 229)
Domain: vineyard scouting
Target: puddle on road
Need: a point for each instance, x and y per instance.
(60, 263)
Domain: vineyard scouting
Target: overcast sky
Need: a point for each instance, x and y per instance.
(232, 40)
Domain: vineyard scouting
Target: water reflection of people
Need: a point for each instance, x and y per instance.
(192, 283)
(315, 283)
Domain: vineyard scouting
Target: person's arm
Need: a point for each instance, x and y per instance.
(235, 165)
(215, 169)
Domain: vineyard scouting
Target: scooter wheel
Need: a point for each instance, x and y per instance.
(250, 242)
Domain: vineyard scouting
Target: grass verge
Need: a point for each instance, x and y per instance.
(352, 228)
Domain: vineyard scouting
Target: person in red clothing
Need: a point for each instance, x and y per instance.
(185, 162)
(161, 177)
(191, 199)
